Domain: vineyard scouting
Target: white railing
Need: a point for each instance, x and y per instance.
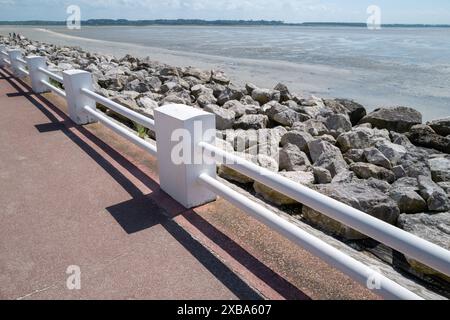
(196, 184)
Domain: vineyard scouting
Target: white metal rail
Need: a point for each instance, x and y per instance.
(419, 249)
(350, 266)
(54, 89)
(51, 75)
(130, 136)
(124, 111)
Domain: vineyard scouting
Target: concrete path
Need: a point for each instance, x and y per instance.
(81, 196)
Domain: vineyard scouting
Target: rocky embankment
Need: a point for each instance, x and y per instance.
(386, 163)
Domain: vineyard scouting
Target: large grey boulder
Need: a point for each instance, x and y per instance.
(374, 156)
(327, 156)
(441, 126)
(313, 126)
(251, 121)
(355, 111)
(298, 138)
(362, 138)
(408, 200)
(425, 136)
(303, 178)
(338, 124)
(240, 109)
(393, 152)
(359, 196)
(224, 118)
(265, 95)
(440, 169)
(434, 228)
(399, 119)
(368, 170)
(285, 95)
(284, 115)
(437, 199)
(322, 176)
(293, 159)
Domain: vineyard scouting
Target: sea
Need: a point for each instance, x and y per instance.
(377, 68)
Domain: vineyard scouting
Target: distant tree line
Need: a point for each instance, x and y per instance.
(199, 22)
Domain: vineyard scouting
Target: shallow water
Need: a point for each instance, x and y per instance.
(392, 66)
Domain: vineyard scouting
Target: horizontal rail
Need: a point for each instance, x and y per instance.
(21, 60)
(124, 111)
(350, 266)
(24, 71)
(51, 75)
(417, 248)
(54, 89)
(152, 149)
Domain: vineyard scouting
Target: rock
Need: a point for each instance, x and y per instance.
(361, 138)
(374, 156)
(261, 160)
(367, 170)
(393, 152)
(325, 155)
(220, 77)
(433, 228)
(343, 176)
(154, 83)
(321, 175)
(138, 86)
(441, 126)
(406, 183)
(436, 197)
(200, 89)
(170, 86)
(264, 95)
(327, 138)
(246, 139)
(445, 186)
(169, 71)
(250, 87)
(440, 169)
(289, 117)
(399, 119)
(399, 172)
(298, 138)
(148, 105)
(424, 136)
(206, 99)
(408, 200)
(293, 159)
(285, 95)
(303, 178)
(224, 118)
(337, 124)
(269, 141)
(240, 109)
(380, 185)
(355, 111)
(358, 196)
(126, 102)
(228, 93)
(354, 155)
(251, 121)
(312, 126)
(197, 73)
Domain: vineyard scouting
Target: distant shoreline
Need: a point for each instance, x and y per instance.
(225, 23)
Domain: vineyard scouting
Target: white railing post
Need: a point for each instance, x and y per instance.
(74, 81)
(179, 130)
(2, 49)
(36, 76)
(15, 54)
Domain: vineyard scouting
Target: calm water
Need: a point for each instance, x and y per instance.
(393, 66)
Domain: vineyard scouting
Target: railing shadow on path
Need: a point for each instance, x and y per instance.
(133, 216)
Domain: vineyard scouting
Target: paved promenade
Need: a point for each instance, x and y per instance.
(82, 196)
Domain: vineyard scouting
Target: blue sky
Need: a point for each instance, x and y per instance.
(393, 11)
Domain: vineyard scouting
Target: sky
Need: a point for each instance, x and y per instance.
(392, 11)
